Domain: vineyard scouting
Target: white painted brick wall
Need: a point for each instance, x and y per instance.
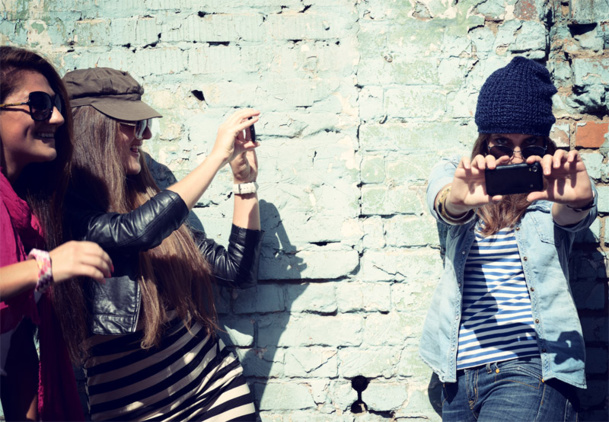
(359, 99)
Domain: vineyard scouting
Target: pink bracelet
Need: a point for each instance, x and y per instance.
(45, 274)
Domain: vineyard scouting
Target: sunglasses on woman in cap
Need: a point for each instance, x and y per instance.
(140, 127)
(41, 105)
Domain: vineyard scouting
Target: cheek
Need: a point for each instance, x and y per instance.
(14, 142)
(122, 145)
(14, 129)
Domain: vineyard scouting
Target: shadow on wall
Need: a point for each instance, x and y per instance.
(254, 319)
(588, 270)
(588, 275)
(266, 308)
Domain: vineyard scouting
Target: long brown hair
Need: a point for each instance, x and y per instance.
(173, 275)
(42, 185)
(510, 209)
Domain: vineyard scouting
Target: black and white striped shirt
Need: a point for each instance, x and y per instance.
(189, 376)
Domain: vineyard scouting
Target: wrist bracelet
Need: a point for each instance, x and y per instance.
(45, 274)
(441, 208)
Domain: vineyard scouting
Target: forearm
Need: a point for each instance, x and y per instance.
(237, 265)
(569, 214)
(17, 278)
(566, 216)
(454, 210)
(448, 212)
(246, 213)
(194, 185)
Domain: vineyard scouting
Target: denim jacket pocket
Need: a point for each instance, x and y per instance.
(546, 229)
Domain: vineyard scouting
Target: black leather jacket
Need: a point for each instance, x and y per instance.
(114, 306)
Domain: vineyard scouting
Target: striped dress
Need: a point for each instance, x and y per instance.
(496, 321)
(189, 376)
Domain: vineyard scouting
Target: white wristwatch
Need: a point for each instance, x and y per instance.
(243, 188)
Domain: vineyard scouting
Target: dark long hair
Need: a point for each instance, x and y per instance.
(506, 213)
(42, 185)
(173, 275)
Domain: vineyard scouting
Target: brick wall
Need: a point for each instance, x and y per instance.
(359, 99)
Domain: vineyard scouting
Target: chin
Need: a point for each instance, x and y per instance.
(50, 156)
(134, 171)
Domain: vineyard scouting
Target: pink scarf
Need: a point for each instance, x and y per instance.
(20, 231)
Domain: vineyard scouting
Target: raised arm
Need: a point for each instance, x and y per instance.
(230, 143)
(568, 186)
(146, 227)
(456, 189)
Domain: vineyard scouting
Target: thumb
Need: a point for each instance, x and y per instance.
(536, 196)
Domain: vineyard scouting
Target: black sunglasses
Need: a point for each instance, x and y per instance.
(41, 105)
(499, 151)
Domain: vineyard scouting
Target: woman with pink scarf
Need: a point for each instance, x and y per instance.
(36, 146)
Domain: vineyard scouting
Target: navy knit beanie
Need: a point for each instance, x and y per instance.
(517, 99)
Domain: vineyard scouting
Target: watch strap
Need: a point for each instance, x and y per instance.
(245, 188)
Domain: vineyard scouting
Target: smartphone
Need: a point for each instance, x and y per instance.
(253, 133)
(515, 178)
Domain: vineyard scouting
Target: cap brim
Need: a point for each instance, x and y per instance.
(129, 111)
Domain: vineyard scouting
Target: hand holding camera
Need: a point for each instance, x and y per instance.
(560, 178)
(566, 179)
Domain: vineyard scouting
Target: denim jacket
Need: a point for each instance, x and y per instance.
(544, 249)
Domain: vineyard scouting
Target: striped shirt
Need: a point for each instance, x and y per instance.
(189, 376)
(496, 322)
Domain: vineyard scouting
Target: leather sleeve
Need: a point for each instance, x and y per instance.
(237, 265)
(139, 230)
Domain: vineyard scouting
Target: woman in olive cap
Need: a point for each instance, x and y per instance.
(147, 336)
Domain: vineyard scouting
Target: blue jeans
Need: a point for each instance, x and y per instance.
(507, 391)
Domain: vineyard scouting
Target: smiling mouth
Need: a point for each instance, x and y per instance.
(46, 135)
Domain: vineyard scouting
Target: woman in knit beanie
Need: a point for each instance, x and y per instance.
(503, 333)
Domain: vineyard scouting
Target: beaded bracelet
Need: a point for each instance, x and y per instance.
(441, 208)
(45, 274)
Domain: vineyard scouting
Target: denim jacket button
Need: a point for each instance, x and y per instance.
(525, 258)
(532, 289)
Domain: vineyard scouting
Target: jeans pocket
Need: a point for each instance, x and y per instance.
(524, 372)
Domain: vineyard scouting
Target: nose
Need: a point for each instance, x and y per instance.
(517, 156)
(147, 133)
(56, 117)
